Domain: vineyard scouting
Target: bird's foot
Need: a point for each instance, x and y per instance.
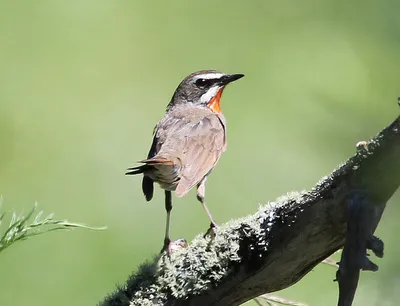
(178, 244)
(171, 246)
(166, 244)
(211, 230)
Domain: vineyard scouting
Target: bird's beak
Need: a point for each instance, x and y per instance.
(226, 79)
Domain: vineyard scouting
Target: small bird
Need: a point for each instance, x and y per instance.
(188, 141)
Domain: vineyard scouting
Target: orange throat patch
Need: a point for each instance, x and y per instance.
(214, 104)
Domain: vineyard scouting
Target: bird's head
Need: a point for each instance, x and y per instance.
(203, 88)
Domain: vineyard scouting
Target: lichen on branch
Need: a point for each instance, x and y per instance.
(274, 247)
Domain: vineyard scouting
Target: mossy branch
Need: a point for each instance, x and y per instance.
(276, 246)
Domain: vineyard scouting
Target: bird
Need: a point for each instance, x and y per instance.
(187, 142)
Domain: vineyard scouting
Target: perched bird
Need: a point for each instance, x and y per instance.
(188, 141)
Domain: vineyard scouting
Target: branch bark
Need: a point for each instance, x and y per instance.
(276, 246)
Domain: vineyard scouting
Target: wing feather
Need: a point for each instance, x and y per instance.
(193, 139)
(204, 146)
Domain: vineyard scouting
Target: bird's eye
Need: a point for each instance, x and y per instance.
(201, 82)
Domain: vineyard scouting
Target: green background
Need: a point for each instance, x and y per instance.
(82, 84)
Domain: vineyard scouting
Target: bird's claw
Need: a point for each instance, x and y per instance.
(172, 246)
(211, 231)
(178, 244)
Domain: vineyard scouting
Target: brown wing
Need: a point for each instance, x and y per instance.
(205, 144)
(193, 139)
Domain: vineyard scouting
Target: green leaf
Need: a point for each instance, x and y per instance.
(21, 228)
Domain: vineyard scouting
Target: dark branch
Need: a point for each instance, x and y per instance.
(275, 247)
(361, 223)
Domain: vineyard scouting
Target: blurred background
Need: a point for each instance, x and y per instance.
(83, 83)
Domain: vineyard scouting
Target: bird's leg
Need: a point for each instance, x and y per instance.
(201, 192)
(168, 208)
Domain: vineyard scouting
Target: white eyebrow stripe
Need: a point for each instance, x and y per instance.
(205, 98)
(208, 76)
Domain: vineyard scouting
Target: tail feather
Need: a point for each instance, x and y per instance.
(147, 182)
(147, 187)
(148, 163)
(157, 161)
(137, 170)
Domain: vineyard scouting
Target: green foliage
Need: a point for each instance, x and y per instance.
(23, 227)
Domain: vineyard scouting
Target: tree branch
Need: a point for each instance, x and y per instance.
(275, 247)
